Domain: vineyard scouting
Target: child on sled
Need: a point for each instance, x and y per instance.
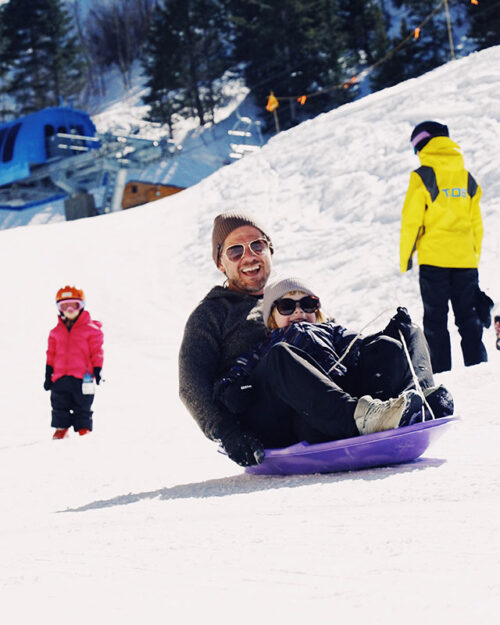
(314, 380)
(74, 360)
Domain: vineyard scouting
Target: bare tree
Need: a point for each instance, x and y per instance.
(114, 33)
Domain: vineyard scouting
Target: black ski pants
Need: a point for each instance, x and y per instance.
(383, 370)
(296, 400)
(70, 407)
(438, 286)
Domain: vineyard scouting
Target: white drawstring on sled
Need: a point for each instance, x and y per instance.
(414, 375)
(418, 388)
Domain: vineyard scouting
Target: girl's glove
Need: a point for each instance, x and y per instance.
(400, 321)
(47, 385)
(97, 374)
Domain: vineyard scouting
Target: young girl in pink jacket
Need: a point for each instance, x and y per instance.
(74, 353)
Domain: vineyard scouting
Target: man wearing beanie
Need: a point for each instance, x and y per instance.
(441, 220)
(226, 323)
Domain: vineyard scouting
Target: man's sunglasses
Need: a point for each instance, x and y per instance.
(287, 306)
(236, 252)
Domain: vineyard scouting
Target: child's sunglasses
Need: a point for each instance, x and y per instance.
(235, 252)
(287, 305)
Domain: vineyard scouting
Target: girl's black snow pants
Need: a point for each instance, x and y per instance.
(297, 401)
(383, 370)
(70, 407)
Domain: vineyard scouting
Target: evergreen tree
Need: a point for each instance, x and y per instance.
(2, 43)
(381, 40)
(185, 57)
(163, 65)
(40, 54)
(484, 23)
(4, 111)
(432, 47)
(396, 59)
(332, 66)
(292, 48)
(360, 21)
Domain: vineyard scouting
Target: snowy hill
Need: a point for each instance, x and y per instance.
(142, 521)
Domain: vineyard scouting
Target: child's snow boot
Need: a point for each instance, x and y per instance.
(83, 431)
(373, 415)
(60, 433)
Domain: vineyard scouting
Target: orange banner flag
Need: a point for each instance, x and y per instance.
(272, 102)
(350, 82)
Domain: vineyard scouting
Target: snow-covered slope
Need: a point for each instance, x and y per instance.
(142, 521)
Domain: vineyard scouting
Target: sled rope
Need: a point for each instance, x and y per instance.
(414, 375)
(407, 354)
(347, 349)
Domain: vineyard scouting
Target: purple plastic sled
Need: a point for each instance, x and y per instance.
(373, 450)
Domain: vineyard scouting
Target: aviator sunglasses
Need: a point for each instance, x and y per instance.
(287, 306)
(235, 252)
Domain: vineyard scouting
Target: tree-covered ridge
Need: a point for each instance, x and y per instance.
(313, 54)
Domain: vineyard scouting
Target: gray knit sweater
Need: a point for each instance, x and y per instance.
(224, 325)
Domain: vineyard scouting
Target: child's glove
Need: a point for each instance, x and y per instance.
(400, 321)
(243, 448)
(97, 374)
(47, 385)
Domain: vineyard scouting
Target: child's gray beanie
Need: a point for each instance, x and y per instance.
(281, 286)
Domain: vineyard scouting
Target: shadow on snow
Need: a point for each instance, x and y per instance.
(245, 484)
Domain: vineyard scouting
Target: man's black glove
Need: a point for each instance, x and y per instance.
(243, 448)
(238, 396)
(400, 321)
(47, 385)
(97, 374)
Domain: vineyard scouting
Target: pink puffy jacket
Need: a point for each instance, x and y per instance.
(76, 351)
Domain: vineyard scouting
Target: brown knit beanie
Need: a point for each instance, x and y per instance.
(225, 223)
(281, 286)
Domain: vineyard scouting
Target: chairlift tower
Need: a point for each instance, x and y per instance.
(247, 133)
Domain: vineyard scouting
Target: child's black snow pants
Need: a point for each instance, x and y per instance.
(438, 286)
(383, 370)
(70, 407)
(297, 401)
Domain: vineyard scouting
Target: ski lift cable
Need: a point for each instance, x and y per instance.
(368, 70)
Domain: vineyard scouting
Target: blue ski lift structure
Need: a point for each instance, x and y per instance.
(56, 152)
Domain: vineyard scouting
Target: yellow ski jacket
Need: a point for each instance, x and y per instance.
(441, 216)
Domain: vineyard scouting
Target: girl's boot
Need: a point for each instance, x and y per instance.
(60, 433)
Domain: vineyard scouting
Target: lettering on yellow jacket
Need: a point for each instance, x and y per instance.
(441, 218)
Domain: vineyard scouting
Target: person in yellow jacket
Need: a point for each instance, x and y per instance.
(441, 220)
